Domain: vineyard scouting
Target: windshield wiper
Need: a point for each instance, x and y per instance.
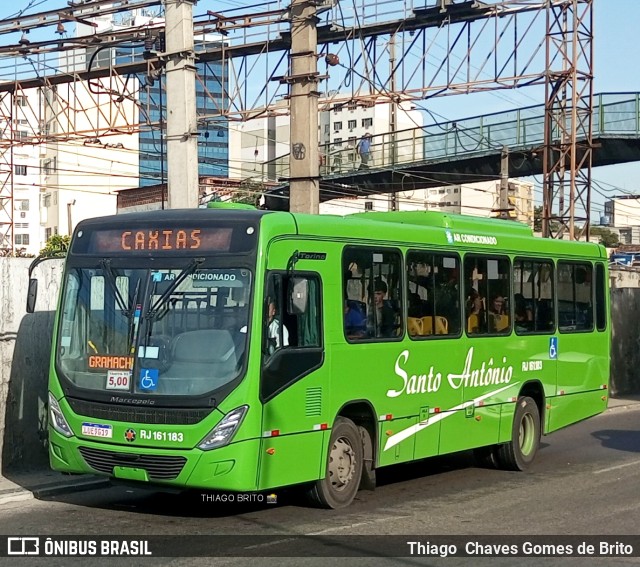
(154, 309)
(108, 271)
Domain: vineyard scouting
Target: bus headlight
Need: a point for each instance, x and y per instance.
(223, 433)
(58, 420)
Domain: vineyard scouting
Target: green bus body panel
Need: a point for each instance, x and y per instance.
(292, 459)
(566, 410)
(422, 397)
(400, 452)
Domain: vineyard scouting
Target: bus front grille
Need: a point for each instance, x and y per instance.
(159, 467)
(147, 415)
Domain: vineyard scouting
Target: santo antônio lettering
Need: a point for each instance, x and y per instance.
(167, 239)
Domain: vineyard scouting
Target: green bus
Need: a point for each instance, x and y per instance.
(246, 350)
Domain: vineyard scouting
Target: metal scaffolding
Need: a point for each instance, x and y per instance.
(441, 49)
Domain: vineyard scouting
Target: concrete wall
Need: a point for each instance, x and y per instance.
(625, 342)
(25, 347)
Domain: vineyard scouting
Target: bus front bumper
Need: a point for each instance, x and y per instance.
(233, 467)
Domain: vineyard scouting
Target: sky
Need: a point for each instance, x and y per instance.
(616, 53)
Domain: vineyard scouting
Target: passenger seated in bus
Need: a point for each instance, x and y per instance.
(415, 307)
(355, 323)
(381, 322)
(498, 319)
(475, 312)
(545, 319)
(273, 329)
(522, 313)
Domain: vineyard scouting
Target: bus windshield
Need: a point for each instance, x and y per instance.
(154, 330)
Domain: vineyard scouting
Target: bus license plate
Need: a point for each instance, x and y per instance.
(97, 430)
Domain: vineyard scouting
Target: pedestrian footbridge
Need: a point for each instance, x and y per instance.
(464, 151)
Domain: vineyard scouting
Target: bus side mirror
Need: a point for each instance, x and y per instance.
(32, 294)
(298, 293)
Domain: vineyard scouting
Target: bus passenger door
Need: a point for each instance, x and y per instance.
(291, 380)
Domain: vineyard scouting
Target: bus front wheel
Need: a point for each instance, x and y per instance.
(344, 467)
(518, 454)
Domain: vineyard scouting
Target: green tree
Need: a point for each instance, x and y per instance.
(56, 246)
(248, 192)
(607, 237)
(537, 219)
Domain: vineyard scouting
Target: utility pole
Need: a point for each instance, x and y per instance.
(304, 183)
(393, 119)
(504, 183)
(182, 123)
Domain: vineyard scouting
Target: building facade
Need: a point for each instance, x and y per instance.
(476, 199)
(622, 211)
(259, 148)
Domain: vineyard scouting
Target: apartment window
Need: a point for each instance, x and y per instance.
(46, 201)
(441, 191)
(22, 135)
(21, 100)
(20, 169)
(49, 166)
(456, 190)
(55, 230)
(55, 199)
(22, 205)
(352, 124)
(368, 205)
(353, 105)
(337, 126)
(23, 225)
(367, 122)
(337, 142)
(326, 128)
(22, 239)
(47, 233)
(337, 109)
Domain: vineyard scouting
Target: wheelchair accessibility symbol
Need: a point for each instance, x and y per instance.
(553, 348)
(148, 378)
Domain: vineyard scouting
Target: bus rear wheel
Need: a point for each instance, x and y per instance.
(344, 467)
(518, 454)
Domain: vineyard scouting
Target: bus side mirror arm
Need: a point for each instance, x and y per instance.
(32, 292)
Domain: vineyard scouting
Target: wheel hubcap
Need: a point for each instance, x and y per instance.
(342, 463)
(526, 436)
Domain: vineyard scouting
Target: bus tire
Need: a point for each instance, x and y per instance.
(368, 479)
(485, 457)
(344, 467)
(518, 454)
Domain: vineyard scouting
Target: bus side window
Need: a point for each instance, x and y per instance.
(372, 294)
(291, 312)
(487, 293)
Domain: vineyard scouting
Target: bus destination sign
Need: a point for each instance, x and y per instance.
(159, 240)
